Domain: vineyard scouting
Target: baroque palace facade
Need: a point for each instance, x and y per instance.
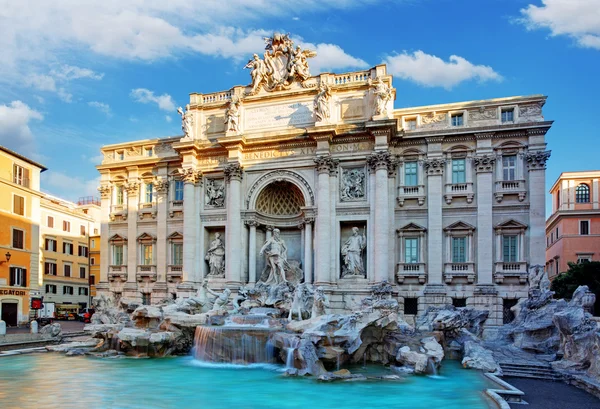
(320, 179)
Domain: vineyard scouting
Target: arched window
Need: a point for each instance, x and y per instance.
(582, 193)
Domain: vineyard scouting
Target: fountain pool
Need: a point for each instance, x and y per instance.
(51, 380)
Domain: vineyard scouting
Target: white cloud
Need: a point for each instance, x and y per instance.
(168, 118)
(332, 57)
(39, 99)
(41, 82)
(62, 75)
(71, 72)
(432, 71)
(145, 96)
(64, 95)
(69, 187)
(15, 133)
(102, 107)
(96, 160)
(578, 19)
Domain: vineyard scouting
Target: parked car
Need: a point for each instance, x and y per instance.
(85, 315)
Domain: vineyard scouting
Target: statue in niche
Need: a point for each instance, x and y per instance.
(232, 115)
(321, 104)
(383, 94)
(352, 253)
(215, 193)
(215, 255)
(277, 269)
(353, 184)
(187, 122)
(320, 302)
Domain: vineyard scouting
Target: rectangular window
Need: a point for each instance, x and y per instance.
(50, 244)
(147, 254)
(584, 259)
(18, 277)
(120, 195)
(149, 152)
(82, 251)
(509, 167)
(67, 270)
(411, 250)
(411, 306)
(178, 190)
(148, 193)
(410, 174)
(457, 119)
(92, 261)
(146, 299)
(66, 226)
(459, 174)
(21, 175)
(19, 205)
(117, 255)
(121, 155)
(68, 290)
(92, 280)
(18, 241)
(50, 268)
(50, 222)
(584, 227)
(67, 248)
(50, 289)
(508, 115)
(459, 249)
(509, 249)
(459, 302)
(81, 272)
(411, 124)
(82, 230)
(177, 254)
(83, 291)
(93, 243)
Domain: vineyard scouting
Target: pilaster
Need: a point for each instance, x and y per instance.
(233, 228)
(484, 167)
(536, 164)
(434, 168)
(322, 246)
(132, 187)
(102, 287)
(191, 178)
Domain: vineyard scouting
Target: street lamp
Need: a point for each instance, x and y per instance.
(7, 255)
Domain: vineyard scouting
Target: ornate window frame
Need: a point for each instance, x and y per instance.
(515, 269)
(464, 270)
(411, 192)
(459, 189)
(518, 186)
(416, 270)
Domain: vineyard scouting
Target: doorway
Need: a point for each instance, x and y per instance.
(9, 313)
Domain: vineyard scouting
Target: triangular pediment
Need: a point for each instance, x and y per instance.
(175, 236)
(511, 224)
(412, 227)
(460, 225)
(146, 237)
(117, 237)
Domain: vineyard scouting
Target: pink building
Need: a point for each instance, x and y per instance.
(573, 229)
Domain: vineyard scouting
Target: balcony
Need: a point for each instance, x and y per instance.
(459, 190)
(146, 272)
(411, 192)
(512, 270)
(411, 271)
(175, 273)
(510, 187)
(459, 272)
(147, 208)
(117, 273)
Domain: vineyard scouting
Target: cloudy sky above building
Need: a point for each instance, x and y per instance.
(76, 75)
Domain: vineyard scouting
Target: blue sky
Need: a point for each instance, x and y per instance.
(75, 75)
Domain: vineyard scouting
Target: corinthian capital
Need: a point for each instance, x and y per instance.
(434, 166)
(537, 160)
(190, 175)
(131, 186)
(160, 185)
(484, 163)
(233, 171)
(326, 164)
(104, 190)
(380, 160)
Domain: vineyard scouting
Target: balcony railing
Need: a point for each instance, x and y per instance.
(117, 273)
(459, 190)
(117, 208)
(411, 192)
(510, 187)
(411, 270)
(454, 271)
(146, 272)
(176, 203)
(175, 273)
(516, 270)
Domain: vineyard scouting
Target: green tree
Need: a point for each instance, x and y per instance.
(586, 273)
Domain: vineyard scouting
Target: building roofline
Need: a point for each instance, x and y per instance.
(474, 103)
(577, 174)
(148, 141)
(23, 158)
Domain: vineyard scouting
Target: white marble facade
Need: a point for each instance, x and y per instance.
(449, 198)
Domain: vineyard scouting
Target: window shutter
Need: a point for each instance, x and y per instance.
(12, 276)
(26, 177)
(64, 248)
(24, 272)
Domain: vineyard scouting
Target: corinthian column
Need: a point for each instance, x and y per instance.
(435, 173)
(252, 251)
(233, 229)
(105, 194)
(380, 162)
(323, 226)
(161, 187)
(536, 164)
(132, 187)
(191, 177)
(484, 166)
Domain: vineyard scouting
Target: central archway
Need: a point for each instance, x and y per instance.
(280, 198)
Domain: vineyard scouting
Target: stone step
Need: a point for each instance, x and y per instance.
(524, 365)
(526, 368)
(556, 378)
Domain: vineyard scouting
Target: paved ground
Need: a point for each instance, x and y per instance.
(552, 395)
(67, 326)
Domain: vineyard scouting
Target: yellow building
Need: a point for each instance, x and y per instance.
(65, 229)
(19, 235)
(94, 262)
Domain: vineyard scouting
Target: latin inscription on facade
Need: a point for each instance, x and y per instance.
(280, 153)
(279, 116)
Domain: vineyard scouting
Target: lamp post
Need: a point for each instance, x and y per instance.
(7, 255)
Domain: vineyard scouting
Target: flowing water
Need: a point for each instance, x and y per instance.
(241, 345)
(52, 381)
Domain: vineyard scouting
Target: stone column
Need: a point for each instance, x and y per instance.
(161, 187)
(133, 188)
(251, 251)
(392, 168)
(191, 177)
(536, 164)
(322, 246)
(333, 190)
(435, 235)
(484, 165)
(380, 161)
(308, 253)
(102, 287)
(233, 228)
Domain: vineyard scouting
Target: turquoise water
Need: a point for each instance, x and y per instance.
(55, 381)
